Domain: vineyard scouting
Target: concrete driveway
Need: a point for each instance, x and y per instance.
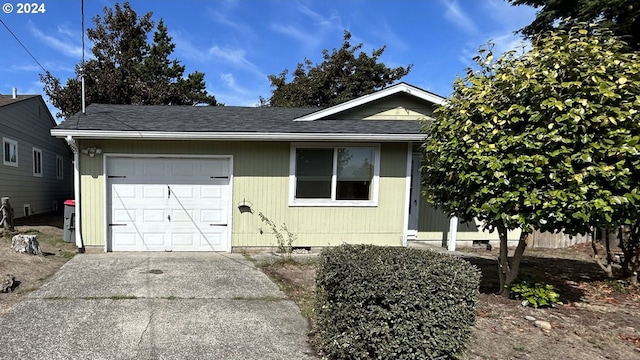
(155, 306)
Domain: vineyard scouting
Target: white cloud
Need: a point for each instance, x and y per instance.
(234, 57)
(458, 17)
(62, 44)
(508, 16)
(228, 80)
(390, 38)
(312, 29)
(50, 66)
(296, 33)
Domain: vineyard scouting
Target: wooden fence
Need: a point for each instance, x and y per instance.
(549, 240)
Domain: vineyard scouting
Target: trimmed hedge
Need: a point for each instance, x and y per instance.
(393, 303)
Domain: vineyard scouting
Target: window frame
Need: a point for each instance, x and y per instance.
(39, 162)
(375, 181)
(59, 167)
(12, 142)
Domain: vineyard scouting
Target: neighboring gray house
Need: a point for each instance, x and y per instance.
(36, 173)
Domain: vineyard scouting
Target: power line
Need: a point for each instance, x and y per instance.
(24, 47)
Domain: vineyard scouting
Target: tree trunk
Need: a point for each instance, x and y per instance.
(630, 245)
(608, 268)
(509, 268)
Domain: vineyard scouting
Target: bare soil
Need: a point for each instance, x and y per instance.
(599, 318)
(31, 271)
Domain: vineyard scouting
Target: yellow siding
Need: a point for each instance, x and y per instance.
(261, 177)
(398, 107)
(398, 113)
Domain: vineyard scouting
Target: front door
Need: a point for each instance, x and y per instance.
(414, 197)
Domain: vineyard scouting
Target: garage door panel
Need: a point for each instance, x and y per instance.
(154, 191)
(183, 168)
(183, 192)
(182, 216)
(160, 204)
(216, 217)
(215, 168)
(123, 216)
(186, 239)
(153, 216)
(153, 168)
(212, 192)
(151, 239)
(212, 239)
(126, 239)
(124, 191)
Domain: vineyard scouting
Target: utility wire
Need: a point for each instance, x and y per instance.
(24, 47)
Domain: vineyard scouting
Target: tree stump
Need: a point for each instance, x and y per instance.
(7, 283)
(26, 244)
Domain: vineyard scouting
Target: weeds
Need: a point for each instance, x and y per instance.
(285, 244)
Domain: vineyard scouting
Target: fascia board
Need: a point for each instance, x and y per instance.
(158, 135)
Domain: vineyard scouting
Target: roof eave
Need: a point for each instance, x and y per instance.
(158, 135)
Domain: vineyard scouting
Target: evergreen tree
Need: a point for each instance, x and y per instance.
(621, 16)
(125, 69)
(342, 76)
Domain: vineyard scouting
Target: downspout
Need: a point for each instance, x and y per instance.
(76, 190)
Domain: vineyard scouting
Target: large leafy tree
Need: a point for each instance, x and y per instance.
(342, 75)
(126, 69)
(621, 16)
(548, 140)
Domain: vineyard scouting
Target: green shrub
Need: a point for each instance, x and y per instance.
(534, 294)
(393, 303)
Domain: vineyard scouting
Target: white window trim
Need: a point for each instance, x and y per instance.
(10, 141)
(35, 150)
(60, 167)
(375, 182)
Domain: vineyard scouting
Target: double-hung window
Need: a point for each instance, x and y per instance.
(334, 175)
(37, 162)
(10, 152)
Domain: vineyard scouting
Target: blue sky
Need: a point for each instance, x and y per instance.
(238, 43)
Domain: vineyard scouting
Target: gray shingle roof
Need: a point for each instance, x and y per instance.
(221, 119)
(8, 99)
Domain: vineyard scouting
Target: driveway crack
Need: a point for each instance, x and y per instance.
(148, 329)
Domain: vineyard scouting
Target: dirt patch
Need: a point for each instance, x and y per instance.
(600, 319)
(30, 271)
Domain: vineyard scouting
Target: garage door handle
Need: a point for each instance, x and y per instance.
(117, 224)
(217, 224)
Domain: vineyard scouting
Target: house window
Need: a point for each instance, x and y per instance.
(10, 156)
(37, 162)
(334, 175)
(59, 167)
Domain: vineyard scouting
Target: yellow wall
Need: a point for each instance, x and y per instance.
(396, 107)
(261, 177)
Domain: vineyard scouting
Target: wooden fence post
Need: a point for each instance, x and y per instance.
(7, 214)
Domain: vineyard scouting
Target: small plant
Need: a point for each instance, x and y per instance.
(285, 244)
(535, 294)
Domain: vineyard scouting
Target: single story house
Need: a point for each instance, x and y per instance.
(35, 173)
(191, 178)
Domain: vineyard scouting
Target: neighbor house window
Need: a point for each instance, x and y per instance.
(10, 152)
(37, 162)
(334, 175)
(59, 167)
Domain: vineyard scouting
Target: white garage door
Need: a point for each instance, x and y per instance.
(168, 204)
